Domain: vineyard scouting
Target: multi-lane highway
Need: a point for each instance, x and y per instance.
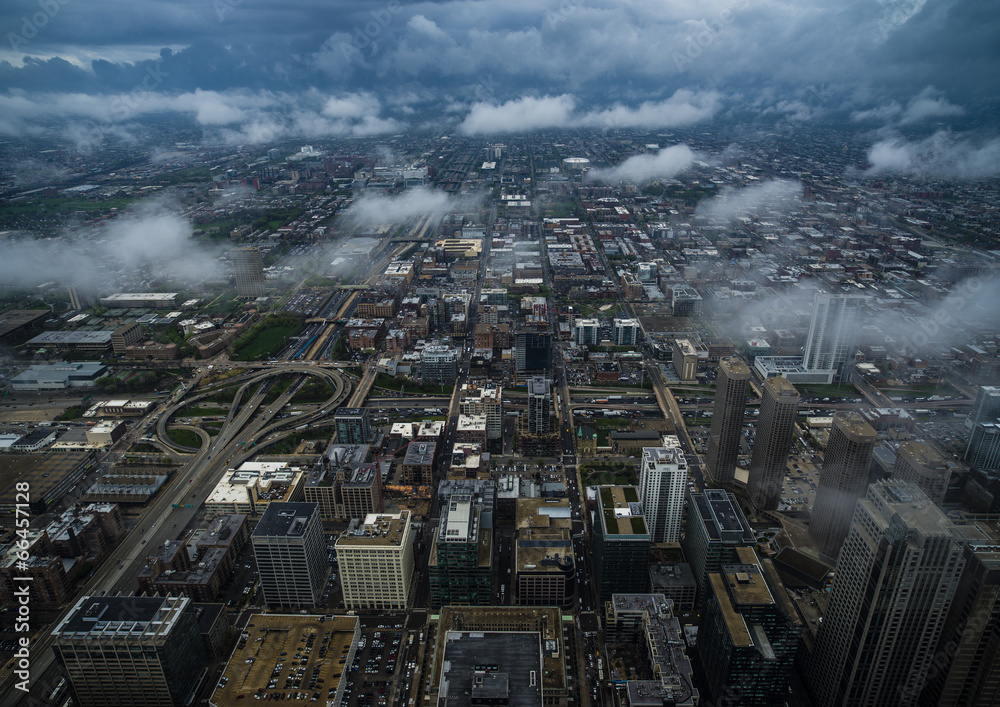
(167, 517)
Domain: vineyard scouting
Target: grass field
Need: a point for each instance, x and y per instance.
(267, 342)
(185, 438)
(203, 412)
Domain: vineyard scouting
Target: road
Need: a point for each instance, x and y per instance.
(163, 520)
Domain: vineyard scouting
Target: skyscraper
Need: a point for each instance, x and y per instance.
(896, 578)
(620, 542)
(627, 332)
(727, 419)
(774, 438)
(832, 333)
(750, 634)
(586, 332)
(662, 484)
(376, 561)
(353, 426)
(248, 270)
(539, 406)
(969, 673)
(716, 528)
(987, 406)
(459, 566)
(533, 351)
(921, 464)
(842, 481)
(288, 545)
(126, 651)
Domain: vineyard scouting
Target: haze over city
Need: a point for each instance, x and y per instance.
(462, 352)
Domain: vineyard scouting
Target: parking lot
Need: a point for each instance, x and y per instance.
(371, 673)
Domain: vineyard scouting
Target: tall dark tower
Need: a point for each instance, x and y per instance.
(727, 419)
(842, 481)
(774, 438)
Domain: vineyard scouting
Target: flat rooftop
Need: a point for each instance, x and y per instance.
(384, 529)
(121, 618)
(285, 519)
(621, 511)
(498, 667)
(289, 651)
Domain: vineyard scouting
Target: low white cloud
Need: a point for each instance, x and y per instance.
(731, 203)
(940, 155)
(683, 108)
(521, 115)
(381, 209)
(151, 238)
(929, 104)
(666, 163)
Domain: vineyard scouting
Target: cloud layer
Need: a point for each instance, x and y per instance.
(234, 65)
(942, 155)
(639, 169)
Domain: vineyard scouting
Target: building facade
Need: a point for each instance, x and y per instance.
(836, 319)
(769, 459)
(663, 479)
(896, 577)
(289, 548)
(376, 562)
(921, 464)
(842, 480)
(716, 527)
(126, 651)
(248, 272)
(621, 542)
(459, 566)
(727, 419)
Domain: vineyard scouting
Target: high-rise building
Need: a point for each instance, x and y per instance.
(543, 562)
(353, 426)
(126, 651)
(842, 481)
(533, 351)
(248, 270)
(921, 464)
(439, 364)
(969, 672)
(774, 438)
(987, 406)
(460, 563)
(727, 419)
(288, 545)
(836, 319)
(376, 561)
(627, 332)
(983, 451)
(896, 577)
(620, 542)
(716, 527)
(749, 635)
(539, 406)
(484, 401)
(587, 332)
(663, 481)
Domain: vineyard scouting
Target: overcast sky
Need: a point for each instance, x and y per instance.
(257, 70)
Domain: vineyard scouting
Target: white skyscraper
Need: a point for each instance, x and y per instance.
(832, 333)
(662, 483)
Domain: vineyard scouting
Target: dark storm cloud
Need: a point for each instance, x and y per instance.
(464, 60)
